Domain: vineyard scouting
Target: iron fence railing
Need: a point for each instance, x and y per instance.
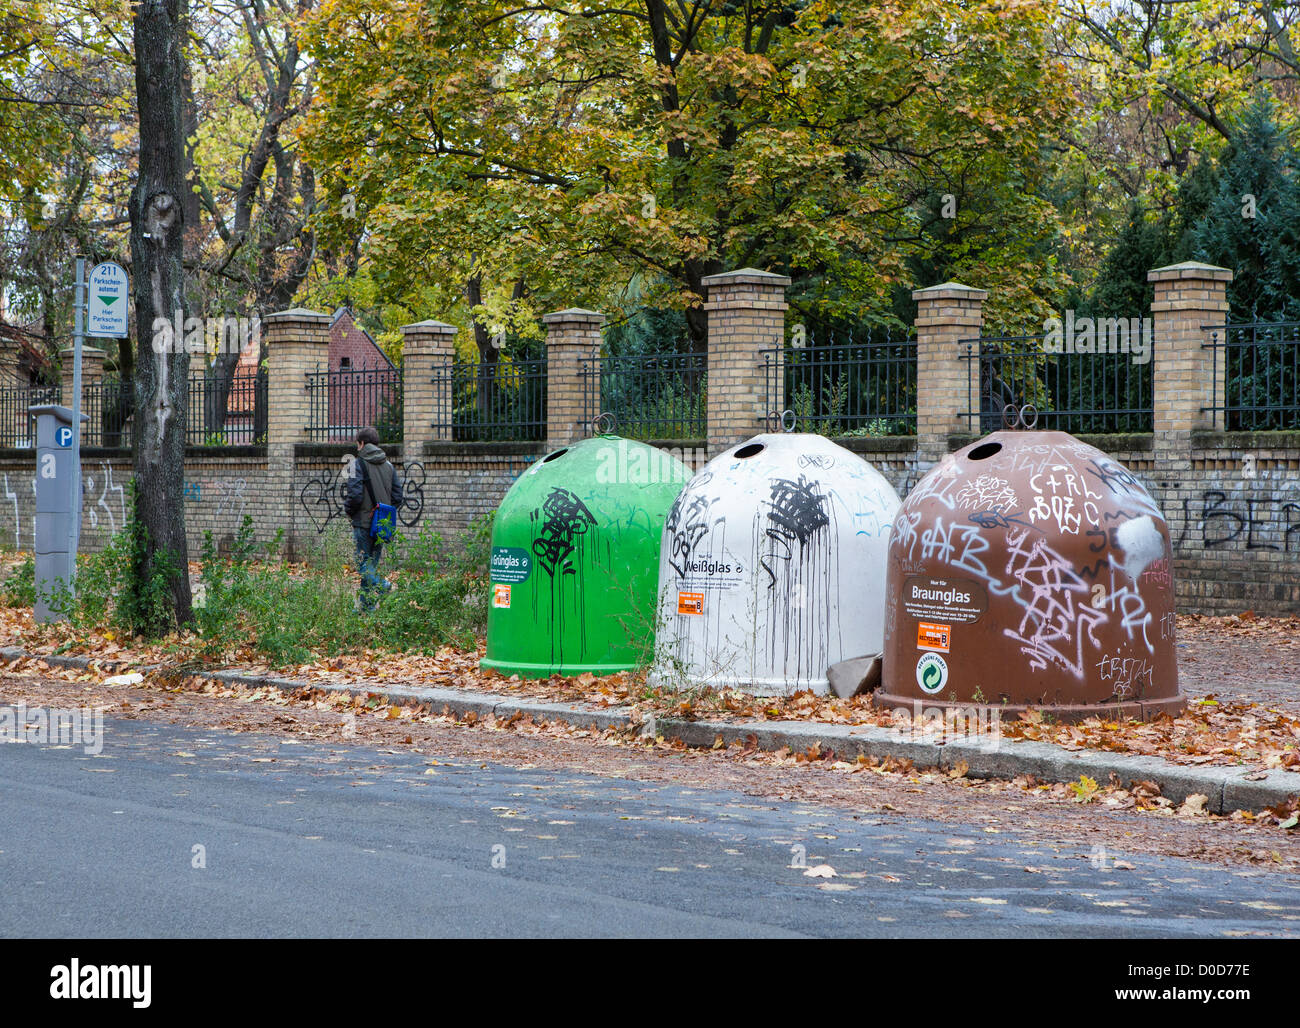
(854, 384)
(1072, 391)
(109, 404)
(651, 396)
(17, 426)
(1256, 374)
(345, 400)
(230, 414)
(502, 400)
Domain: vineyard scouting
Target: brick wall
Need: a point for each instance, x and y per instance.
(1232, 500)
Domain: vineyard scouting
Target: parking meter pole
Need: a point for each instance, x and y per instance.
(79, 307)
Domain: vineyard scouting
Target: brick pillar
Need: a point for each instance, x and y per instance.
(297, 342)
(65, 374)
(746, 311)
(428, 347)
(946, 384)
(1188, 296)
(9, 368)
(572, 341)
(92, 394)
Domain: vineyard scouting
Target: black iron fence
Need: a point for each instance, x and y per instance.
(343, 401)
(17, 426)
(501, 400)
(109, 405)
(233, 413)
(1256, 375)
(1073, 391)
(651, 396)
(856, 384)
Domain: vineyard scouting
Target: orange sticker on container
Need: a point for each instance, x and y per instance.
(690, 603)
(500, 595)
(933, 637)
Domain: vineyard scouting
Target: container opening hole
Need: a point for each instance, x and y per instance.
(750, 450)
(551, 456)
(984, 451)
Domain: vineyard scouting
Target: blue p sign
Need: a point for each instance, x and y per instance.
(63, 435)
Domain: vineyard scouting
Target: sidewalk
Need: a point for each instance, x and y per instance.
(1226, 787)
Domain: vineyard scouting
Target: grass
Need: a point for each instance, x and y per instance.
(249, 602)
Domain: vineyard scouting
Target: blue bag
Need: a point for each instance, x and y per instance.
(383, 522)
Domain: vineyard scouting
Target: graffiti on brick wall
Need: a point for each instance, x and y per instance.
(321, 496)
(12, 497)
(104, 500)
(230, 498)
(412, 494)
(1257, 521)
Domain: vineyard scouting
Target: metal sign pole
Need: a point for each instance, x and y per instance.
(79, 305)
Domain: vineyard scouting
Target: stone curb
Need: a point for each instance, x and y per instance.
(1226, 788)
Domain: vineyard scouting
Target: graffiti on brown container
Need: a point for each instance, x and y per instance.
(1129, 676)
(1058, 616)
(988, 493)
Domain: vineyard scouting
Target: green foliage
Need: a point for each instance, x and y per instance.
(1262, 161)
(111, 592)
(1207, 222)
(19, 589)
(292, 616)
(585, 151)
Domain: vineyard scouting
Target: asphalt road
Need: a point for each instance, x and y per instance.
(310, 840)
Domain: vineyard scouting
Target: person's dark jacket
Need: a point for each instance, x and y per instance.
(384, 480)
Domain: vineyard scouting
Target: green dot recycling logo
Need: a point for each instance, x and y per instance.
(931, 673)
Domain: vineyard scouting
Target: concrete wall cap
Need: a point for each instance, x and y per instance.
(440, 327)
(579, 314)
(1189, 269)
(950, 288)
(298, 314)
(745, 276)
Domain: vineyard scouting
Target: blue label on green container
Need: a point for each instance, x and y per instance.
(511, 564)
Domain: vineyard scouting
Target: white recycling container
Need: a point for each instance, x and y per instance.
(772, 567)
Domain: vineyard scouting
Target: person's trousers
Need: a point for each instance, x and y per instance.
(369, 553)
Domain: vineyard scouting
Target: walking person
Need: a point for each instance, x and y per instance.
(371, 483)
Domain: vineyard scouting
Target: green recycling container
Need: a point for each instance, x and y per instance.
(575, 559)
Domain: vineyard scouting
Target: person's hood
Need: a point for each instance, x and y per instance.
(373, 454)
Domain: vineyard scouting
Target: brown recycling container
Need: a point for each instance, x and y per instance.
(1030, 570)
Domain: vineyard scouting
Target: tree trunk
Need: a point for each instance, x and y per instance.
(157, 253)
(485, 390)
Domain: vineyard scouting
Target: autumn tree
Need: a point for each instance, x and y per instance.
(252, 242)
(553, 153)
(161, 373)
